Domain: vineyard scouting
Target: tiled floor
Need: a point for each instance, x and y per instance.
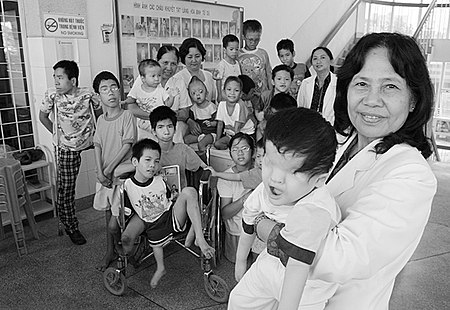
(58, 275)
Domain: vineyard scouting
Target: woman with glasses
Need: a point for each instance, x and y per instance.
(318, 91)
(233, 194)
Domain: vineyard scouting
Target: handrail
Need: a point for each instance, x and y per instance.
(424, 19)
(341, 22)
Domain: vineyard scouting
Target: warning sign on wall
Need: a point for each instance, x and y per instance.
(67, 26)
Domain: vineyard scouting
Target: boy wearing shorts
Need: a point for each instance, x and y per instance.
(115, 134)
(148, 198)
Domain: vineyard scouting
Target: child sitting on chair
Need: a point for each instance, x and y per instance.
(152, 209)
(203, 112)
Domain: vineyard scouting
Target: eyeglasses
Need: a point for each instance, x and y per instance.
(106, 89)
(244, 149)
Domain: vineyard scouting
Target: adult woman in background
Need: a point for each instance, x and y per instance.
(192, 54)
(381, 179)
(318, 91)
(168, 58)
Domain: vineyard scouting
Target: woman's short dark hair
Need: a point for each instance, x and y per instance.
(407, 59)
(167, 49)
(190, 43)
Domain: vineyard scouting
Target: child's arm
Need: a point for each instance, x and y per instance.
(268, 72)
(171, 94)
(294, 282)
(231, 208)
(219, 130)
(45, 120)
(136, 110)
(124, 169)
(108, 172)
(105, 181)
(244, 246)
(229, 176)
(242, 118)
(219, 90)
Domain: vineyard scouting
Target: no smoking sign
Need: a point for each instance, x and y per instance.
(51, 25)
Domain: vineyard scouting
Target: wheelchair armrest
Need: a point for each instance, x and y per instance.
(205, 175)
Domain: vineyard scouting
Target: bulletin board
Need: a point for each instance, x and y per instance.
(145, 25)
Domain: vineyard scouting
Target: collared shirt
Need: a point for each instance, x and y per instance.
(319, 94)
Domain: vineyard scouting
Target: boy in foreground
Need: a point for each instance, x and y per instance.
(300, 149)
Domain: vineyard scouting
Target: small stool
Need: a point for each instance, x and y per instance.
(13, 195)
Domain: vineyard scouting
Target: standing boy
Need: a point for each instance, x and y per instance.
(282, 76)
(255, 61)
(300, 150)
(228, 65)
(115, 134)
(286, 53)
(73, 132)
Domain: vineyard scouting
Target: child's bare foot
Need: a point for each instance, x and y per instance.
(189, 237)
(207, 250)
(106, 261)
(159, 273)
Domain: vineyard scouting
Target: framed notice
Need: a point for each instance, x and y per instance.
(145, 25)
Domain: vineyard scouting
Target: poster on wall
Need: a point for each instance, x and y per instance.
(146, 25)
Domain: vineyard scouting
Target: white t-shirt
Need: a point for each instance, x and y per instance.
(148, 101)
(233, 190)
(225, 69)
(222, 115)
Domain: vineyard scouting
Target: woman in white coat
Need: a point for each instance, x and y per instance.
(318, 91)
(381, 179)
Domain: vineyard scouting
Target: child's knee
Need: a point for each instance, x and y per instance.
(127, 240)
(113, 226)
(188, 192)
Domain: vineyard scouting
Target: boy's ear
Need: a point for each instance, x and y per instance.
(74, 81)
(134, 161)
(293, 53)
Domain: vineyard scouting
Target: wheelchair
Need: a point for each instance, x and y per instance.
(216, 288)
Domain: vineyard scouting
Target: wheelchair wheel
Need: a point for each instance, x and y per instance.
(216, 288)
(114, 281)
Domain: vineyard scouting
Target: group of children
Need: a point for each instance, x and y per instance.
(279, 177)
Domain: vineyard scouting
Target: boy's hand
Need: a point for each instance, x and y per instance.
(194, 128)
(173, 92)
(213, 172)
(239, 270)
(104, 180)
(216, 75)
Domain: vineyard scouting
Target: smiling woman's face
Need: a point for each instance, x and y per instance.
(168, 63)
(379, 100)
(193, 60)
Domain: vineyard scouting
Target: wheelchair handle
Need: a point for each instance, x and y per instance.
(205, 175)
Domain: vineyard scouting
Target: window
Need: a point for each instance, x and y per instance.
(15, 115)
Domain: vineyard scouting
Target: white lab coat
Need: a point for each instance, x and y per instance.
(385, 202)
(306, 92)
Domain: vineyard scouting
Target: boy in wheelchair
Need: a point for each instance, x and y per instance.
(152, 209)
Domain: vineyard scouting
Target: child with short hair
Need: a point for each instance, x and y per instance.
(254, 60)
(233, 194)
(300, 150)
(249, 97)
(282, 77)
(75, 109)
(164, 121)
(228, 66)
(232, 114)
(286, 54)
(203, 112)
(143, 98)
(115, 134)
(148, 197)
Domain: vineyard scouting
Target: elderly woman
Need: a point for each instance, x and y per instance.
(318, 91)
(381, 179)
(192, 54)
(168, 58)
